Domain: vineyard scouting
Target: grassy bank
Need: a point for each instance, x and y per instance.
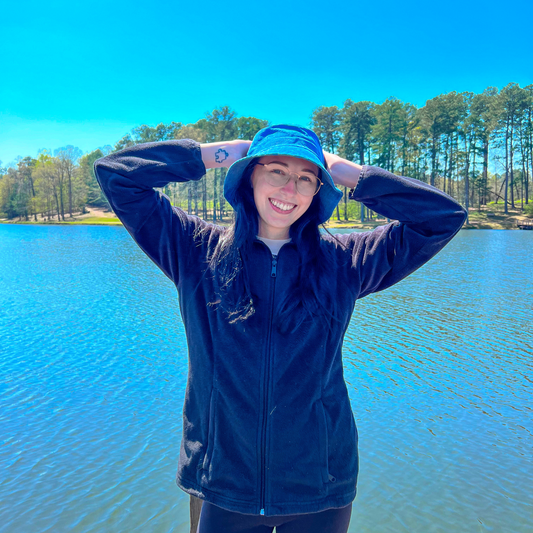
(491, 216)
(92, 217)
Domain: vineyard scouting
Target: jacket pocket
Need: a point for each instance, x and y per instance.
(324, 443)
(210, 431)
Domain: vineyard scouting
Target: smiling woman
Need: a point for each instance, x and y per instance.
(269, 438)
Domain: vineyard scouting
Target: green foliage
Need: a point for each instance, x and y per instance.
(357, 119)
(247, 127)
(448, 142)
(95, 196)
(192, 131)
(145, 133)
(528, 210)
(390, 126)
(221, 124)
(162, 132)
(7, 193)
(124, 142)
(17, 190)
(325, 122)
(484, 112)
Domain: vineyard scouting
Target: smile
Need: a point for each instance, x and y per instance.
(281, 207)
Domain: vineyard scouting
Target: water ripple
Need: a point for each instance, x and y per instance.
(93, 367)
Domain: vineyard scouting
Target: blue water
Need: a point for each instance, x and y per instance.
(93, 367)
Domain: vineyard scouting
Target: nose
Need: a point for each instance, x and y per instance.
(290, 186)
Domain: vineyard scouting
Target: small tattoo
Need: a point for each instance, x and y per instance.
(221, 155)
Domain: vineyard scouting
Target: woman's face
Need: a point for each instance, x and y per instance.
(280, 207)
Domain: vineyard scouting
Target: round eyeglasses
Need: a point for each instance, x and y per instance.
(278, 175)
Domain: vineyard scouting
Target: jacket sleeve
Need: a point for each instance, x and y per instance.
(128, 179)
(426, 219)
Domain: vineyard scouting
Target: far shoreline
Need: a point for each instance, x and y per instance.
(95, 216)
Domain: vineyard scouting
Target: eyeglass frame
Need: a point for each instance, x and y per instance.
(320, 182)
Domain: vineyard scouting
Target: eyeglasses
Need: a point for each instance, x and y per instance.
(307, 184)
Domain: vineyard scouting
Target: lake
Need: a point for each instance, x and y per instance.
(93, 366)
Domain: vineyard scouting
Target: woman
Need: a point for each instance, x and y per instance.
(269, 438)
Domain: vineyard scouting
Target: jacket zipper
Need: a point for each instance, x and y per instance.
(266, 384)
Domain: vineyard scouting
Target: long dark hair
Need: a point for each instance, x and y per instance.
(228, 261)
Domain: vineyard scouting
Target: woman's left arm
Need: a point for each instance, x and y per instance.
(426, 219)
(342, 171)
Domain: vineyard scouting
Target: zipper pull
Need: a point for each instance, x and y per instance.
(274, 267)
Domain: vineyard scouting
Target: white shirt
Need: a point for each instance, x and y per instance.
(274, 244)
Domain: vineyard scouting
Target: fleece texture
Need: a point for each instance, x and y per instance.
(267, 422)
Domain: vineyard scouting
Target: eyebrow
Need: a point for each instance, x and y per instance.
(303, 169)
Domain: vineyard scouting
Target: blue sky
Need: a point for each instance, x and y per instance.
(86, 73)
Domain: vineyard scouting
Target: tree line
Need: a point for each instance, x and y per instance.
(450, 143)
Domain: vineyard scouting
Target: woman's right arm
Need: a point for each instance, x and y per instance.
(426, 219)
(128, 179)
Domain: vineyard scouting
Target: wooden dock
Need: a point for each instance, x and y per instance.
(525, 224)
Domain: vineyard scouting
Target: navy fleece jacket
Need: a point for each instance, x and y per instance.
(268, 427)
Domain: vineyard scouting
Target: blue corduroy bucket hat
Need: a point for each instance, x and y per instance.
(295, 141)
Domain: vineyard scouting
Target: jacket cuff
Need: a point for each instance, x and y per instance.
(352, 193)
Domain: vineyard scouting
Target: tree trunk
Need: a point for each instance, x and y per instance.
(57, 206)
(221, 199)
(215, 196)
(33, 202)
(345, 204)
(195, 196)
(506, 182)
(473, 188)
(433, 161)
(445, 166)
(485, 169)
(454, 154)
(530, 153)
(499, 194)
(523, 153)
(69, 192)
(527, 183)
(361, 146)
(404, 153)
(511, 161)
(61, 202)
(467, 170)
(522, 185)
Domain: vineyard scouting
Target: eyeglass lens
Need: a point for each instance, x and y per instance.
(278, 176)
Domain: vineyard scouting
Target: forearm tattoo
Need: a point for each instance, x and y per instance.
(221, 155)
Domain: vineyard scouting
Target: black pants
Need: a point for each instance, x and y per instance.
(214, 519)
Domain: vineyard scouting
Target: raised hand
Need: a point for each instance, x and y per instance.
(342, 171)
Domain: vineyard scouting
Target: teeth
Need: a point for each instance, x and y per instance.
(282, 206)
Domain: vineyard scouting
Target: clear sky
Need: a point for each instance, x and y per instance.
(85, 73)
